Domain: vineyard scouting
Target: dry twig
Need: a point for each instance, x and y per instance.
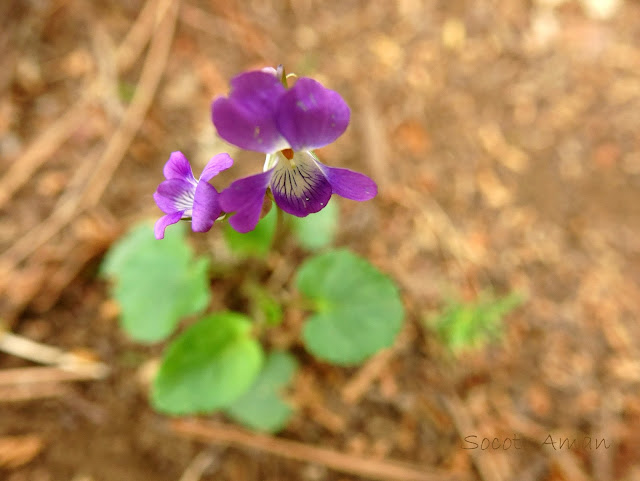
(375, 142)
(602, 461)
(568, 464)
(145, 91)
(28, 349)
(41, 149)
(28, 375)
(33, 351)
(204, 21)
(138, 35)
(308, 394)
(372, 370)
(16, 451)
(149, 79)
(358, 466)
(484, 462)
(68, 365)
(31, 392)
(51, 139)
(202, 462)
(360, 382)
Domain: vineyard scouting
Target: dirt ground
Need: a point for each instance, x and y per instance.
(505, 138)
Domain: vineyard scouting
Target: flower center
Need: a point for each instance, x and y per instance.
(297, 182)
(185, 202)
(288, 153)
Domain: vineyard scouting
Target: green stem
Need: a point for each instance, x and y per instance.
(282, 228)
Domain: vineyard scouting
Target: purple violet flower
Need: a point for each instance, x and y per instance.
(261, 114)
(181, 196)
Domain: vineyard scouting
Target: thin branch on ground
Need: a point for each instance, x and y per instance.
(569, 466)
(43, 147)
(20, 346)
(483, 461)
(382, 470)
(30, 350)
(367, 375)
(137, 37)
(32, 392)
(204, 461)
(152, 71)
(15, 451)
(149, 79)
(375, 142)
(73, 372)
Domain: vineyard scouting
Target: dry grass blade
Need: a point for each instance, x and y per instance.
(138, 36)
(358, 466)
(375, 142)
(31, 392)
(601, 460)
(372, 370)
(201, 463)
(568, 464)
(16, 451)
(51, 139)
(29, 375)
(360, 382)
(484, 462)
(37, 352)
(28, 349)
(17, 291)
(150, 78)
(41, 149)
(206, 22)
(145, 91)
(34, 239)
(309, 394)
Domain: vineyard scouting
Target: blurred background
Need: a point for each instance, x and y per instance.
(504, 136)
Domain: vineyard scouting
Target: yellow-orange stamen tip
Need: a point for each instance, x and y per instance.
(288, 153)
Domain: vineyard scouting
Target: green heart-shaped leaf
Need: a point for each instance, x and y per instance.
(209, 366)
(359, 310)
(156, 282)
(261, 407)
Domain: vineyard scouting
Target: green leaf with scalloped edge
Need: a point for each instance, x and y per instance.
(156, 282)
(255, 243)
(209, 366)
(261, 407)
(317, 230)
(358, 308)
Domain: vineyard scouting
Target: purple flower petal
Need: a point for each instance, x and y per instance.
(244, 197)
(164, 221)
(216, 165)
(300, 188)
(175, 194)
(247, 117)
(178, 167)
(349, 184)
(165, 204)
(206, 208)
(311, 116)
